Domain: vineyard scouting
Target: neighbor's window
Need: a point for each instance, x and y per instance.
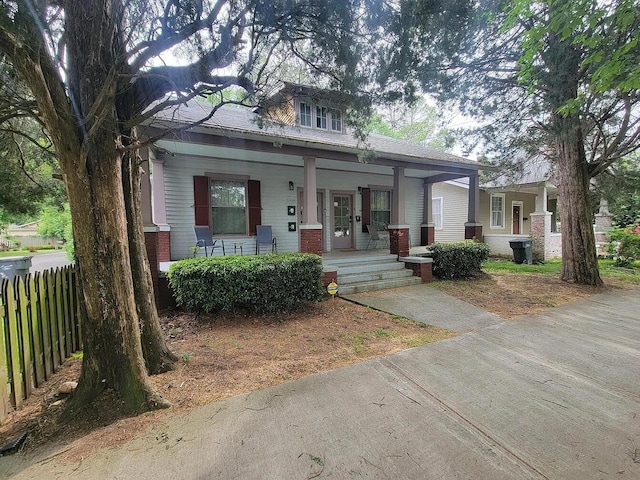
(305, 115)
(497, 210)
(381, 208)
(336, 120)
(321, 117)
(228, 207)
(436, 212)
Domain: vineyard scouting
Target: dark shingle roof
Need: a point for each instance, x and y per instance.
(240, 122)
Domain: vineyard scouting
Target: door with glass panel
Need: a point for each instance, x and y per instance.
(341, 221)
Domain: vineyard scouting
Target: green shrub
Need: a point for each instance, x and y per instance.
(624, 245)
(458, 260)
(257, 284)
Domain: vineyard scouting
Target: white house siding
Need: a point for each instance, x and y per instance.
(455, 201)
(275, 198)
(528, 206)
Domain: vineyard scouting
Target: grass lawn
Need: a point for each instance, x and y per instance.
(23, 253)
(554, 267)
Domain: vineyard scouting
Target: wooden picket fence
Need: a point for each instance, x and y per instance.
(39, 330)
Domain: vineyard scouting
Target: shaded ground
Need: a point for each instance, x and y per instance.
(223, 356)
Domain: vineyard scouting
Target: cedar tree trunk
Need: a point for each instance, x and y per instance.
(579, 260)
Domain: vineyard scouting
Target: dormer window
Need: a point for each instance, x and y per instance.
(319, 117)
(305, 115)
(336, 120)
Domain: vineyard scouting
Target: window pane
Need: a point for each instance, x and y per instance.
(305, 114)
(380, 208)
(497, 211)
(436, 212)
(228, 202)
(321, 117)
(336, 120)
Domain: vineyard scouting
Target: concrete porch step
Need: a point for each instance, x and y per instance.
(350, 278)
(377, 285)
(392, 265)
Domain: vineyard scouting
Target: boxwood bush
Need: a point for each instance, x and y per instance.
(458, 260)
(257, 284)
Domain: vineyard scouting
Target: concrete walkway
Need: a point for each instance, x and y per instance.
(551, 396)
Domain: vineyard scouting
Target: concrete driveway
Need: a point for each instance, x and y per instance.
(45, 261)
(553, 396)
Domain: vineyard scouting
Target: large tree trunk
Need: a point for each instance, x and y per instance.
(113, 355)
(157, 356)
(579, 260)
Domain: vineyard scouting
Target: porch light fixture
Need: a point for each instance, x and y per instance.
(291, 187)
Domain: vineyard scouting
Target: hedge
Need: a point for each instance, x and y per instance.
(257, 284)
(458, 260)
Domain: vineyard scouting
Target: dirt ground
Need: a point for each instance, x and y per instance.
(227, 355)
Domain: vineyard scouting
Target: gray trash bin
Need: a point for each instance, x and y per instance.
(10, 267)
(522, 250)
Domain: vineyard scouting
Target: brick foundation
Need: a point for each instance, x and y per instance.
(399, 241)
(422, 270)
(158, 245)
(311, 240)
(328, 277)
(473, 232)
(427, 235)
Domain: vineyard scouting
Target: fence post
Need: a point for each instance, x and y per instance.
(36, 330)
(17, 391)
(4, 370)
(53, 319)
(45, 326)
(60, 314)
(25, 336)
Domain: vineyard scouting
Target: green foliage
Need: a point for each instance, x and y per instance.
(620, 185)
(257, 284)
(624, 245)
(458, 260)
(56, 222)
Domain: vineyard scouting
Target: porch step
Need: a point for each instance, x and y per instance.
(377, 285)
(371, 272)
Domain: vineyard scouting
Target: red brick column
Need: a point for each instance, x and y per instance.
(330, 276)
(311, 239)
(399, 241)
(158, 245)
(427, 234)
(473, 231)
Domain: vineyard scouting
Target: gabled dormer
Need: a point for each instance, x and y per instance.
(307, 107)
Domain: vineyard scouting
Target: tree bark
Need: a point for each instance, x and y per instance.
(157, 356)
(579, 260)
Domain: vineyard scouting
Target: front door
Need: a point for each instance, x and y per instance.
(517, 218)
(341, 221)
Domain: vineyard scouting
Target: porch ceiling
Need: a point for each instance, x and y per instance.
(292, 156)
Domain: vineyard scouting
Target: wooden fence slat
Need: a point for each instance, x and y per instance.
(36, 331)
(66, 309)
(4, 367)
(72, 309)
(44, 324)
(60, 314)
(53, 312)
(78, 311)
(25, 336)
(17, 391)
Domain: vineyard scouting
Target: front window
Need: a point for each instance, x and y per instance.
(305, 115)
(228, 207)
(381, 208)
(336, 120)
(497, 210)
(321, 117)
(436, 212)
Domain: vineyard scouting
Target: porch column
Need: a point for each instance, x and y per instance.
(427, 227)
(398, 230)
(541, 227)
(310, 229)
(473, 227)
(157, 234)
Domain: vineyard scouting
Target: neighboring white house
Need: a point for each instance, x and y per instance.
(231, 174)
